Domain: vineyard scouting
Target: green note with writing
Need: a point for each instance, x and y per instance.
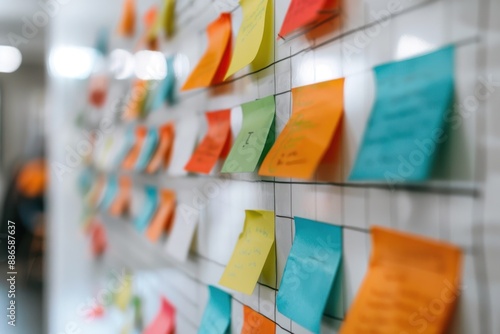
(255, 138)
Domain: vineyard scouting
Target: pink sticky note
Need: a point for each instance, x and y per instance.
(164, 323)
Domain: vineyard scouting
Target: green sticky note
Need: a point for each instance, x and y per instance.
(255, 138)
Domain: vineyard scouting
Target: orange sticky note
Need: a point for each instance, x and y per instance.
(96, 193)
(137, 100)
(99, 241)
(133, 155)
(162, 220)
(121, 202)
(212, 146)
(302, 13)
(127, 21)
(213, 65)
(164, 323)
(162, 154)
(411, 287)
(317, 110)
(256, 323)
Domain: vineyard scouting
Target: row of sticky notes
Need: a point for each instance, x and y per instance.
(153, 21)
(252, 43)
(154, 212)
(404, 132)
(406, 274)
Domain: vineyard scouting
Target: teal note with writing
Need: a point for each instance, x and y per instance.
(144, 217)
(408, 122)
(255, 137)
(147, 150)
(311, 282)
(217, 315)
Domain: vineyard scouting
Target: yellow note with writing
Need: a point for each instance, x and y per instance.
(411, 287)
(255, 28)
(251, 252)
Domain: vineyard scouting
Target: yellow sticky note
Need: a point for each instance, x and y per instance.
(249, 47)
(124, 295)
(251, 252)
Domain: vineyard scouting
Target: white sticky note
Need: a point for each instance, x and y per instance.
(182, 234)
(186, 133)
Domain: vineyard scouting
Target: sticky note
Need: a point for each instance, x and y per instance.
(167, 17)
(214, 63)
(256, 323)
(123, 296)
(302, 13)
(98, 236)
(151, 22)
(251, 252)
(127, 22)
(147, 150)
(98, 90)
(143, 218)
(183, 230)
(137, 100)
(310, 272)
(135, 151)
(407, 122)
(186, 130)
(121, 202)
(161, 157)
(251, 33)
(164, 323)
(412, 286)
(255, 137)
(165, 90)
(124, 145)
(300, 147)
(161, 221)
(218, 136)
(110, 193)
(217, 315)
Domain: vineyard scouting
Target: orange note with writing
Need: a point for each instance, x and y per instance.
(411, 287)
(256, 323)
(127, 21)
(317, 111)
(302, 13)
(135, 151)
(215, 143)
(163, 151)
(122, 200)
(213, 65)
(162, 220)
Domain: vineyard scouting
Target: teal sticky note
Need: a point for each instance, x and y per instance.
(102, 41)
(110, 192)
(147, 150)
(126, 146)
(165, 90)
(310, 272)
(255, 138)
(217, 315)
(143, 219)
(408, 120)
